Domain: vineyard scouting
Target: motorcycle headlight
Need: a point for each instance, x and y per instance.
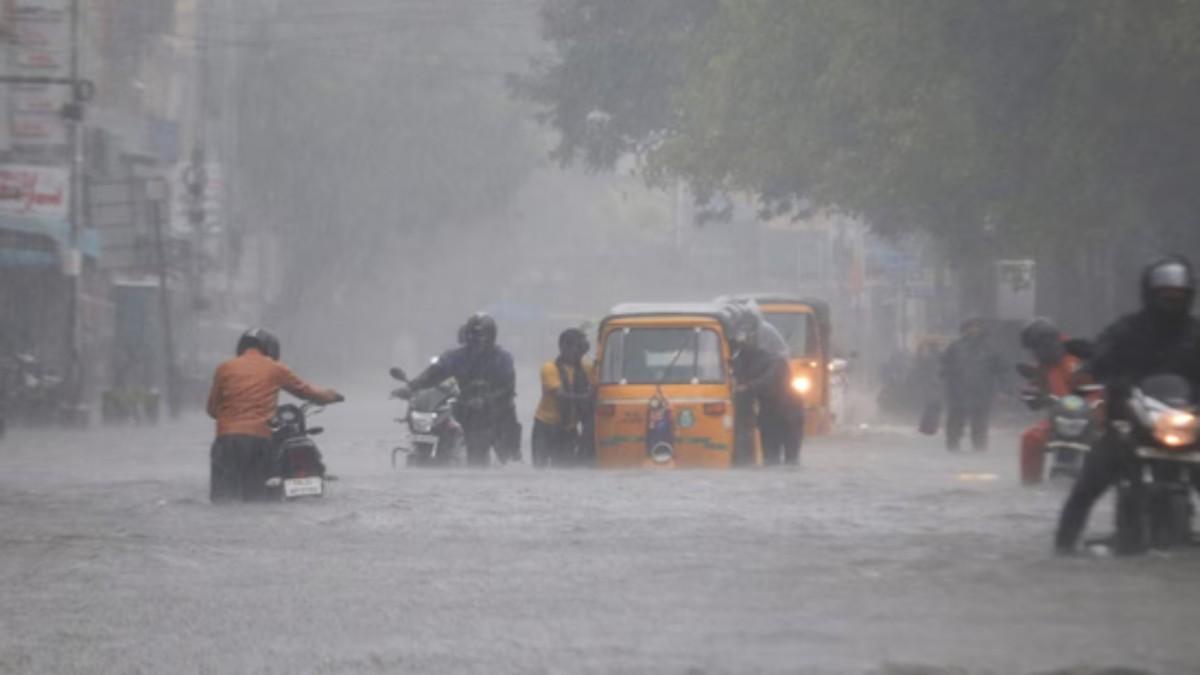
(1073, 404)
(1176, 428)
(423, 422)
(801, 384)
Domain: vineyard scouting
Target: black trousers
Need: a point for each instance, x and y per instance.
(781, 430)
(552, 445)
(743, 428)
(239, 468)
(500, 432)
(960, 414)
(508, 445)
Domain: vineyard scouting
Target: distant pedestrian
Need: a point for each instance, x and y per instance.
(972, 370)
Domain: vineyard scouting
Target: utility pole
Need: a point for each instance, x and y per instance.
(73, 267)
(198, 181)
(164, 302)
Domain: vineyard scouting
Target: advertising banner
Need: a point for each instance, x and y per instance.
(34, 192)
(1016, 289)
(41, 48)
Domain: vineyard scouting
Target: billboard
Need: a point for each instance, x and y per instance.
(41, 48)
(35, 191)
(1016, 289)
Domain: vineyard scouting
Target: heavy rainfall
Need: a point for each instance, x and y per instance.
(638, 336)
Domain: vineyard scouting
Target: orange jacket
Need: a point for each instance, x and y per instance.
(245, 392)
(1059, 377)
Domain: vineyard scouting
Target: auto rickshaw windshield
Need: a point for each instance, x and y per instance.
(662, 356)
(798, 330)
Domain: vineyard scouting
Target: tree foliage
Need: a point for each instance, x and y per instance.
(1002, 124)
(608, 86)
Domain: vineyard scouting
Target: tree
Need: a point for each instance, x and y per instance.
(1007, 126)
(608, 87)
(1012, 123)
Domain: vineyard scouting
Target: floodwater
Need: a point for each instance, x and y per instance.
(883, 554)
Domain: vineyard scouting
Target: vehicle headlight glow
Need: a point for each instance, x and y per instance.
(801, 384)
(422, 422)
(1176, 428)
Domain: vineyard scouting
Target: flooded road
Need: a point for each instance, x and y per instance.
(883, 554)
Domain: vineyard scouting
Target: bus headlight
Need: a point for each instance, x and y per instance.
(801, 384)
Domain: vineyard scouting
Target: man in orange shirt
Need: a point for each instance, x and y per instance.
(244, 395)
(560, 422)
(1055, 373)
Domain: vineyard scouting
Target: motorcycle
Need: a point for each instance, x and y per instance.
(34, 393)
(1072, 421)
(435, 434)
(296, 466)
(1154, 497)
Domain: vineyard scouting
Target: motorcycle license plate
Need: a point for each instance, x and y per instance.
(302, 487)
(425, 438)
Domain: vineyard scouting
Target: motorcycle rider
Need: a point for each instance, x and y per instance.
(1055, 370)
(1163, 337)
(763, 375)
(972, 370)
(480, 363)
(566, 403)
(243, 398)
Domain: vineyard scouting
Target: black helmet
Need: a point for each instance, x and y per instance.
(260, 339)
(480, 330)
(573, 343)
(1036, 331)
(1043, 339)
(1169, 287)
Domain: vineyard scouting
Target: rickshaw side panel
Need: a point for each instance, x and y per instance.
(814, 365)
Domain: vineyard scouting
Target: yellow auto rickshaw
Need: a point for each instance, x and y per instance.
(664, 390)
(805, 325)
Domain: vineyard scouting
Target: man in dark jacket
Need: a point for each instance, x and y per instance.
(1162, 338)
(487, 382)
(972, 370)
(763, 375)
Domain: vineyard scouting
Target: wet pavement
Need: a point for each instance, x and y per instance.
(882, 554)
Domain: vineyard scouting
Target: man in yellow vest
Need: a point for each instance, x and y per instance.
(559, 424)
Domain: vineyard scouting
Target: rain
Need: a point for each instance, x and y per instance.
(599, 336)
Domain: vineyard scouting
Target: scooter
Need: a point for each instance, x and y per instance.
(435, 436)
(296, 467)
(35, 393)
